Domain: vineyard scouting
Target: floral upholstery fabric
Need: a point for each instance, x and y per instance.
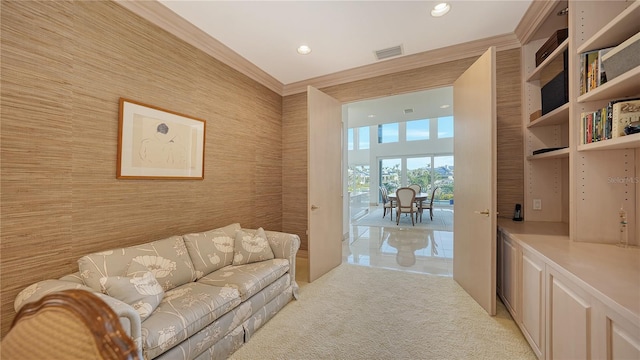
(225, 347)
(211, 250)
(36, 291)
(248, 279)
(250, 248)
(183, 312)
(211, 334)
(143, 291)
(167, 259)
(265, 313)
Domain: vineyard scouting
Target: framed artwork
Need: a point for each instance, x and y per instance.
(155, 143)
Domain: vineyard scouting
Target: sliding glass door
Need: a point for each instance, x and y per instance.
(427, 171)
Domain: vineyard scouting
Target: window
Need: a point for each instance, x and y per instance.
(390, 173)
(388, 133)
(418, 130)
(443, 176)
(419, 172)
(358, 190)
(445, 127)
(350, 139)
(363, 138)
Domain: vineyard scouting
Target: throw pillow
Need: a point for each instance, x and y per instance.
(140, 290)
(211, 250)
(250, 248)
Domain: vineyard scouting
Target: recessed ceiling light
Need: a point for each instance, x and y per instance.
(304, 50)
(444, 106)
(440, 9)
(371, 116)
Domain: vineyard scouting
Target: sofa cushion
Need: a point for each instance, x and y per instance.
(250, 248)
(167, 259)
(248, 279)
(183, 312)
(211, 250)
(139, 288)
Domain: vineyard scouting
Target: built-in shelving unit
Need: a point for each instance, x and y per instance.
(546, 174)
(603, 172)
(569, 181)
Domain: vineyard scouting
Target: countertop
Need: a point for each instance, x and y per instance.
(611, 273)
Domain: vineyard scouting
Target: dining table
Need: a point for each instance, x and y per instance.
(423, 196)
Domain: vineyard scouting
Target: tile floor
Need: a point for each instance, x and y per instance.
(403, 247)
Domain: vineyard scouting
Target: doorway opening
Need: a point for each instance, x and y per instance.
(394, 142)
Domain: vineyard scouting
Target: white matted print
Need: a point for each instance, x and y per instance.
(159, 144)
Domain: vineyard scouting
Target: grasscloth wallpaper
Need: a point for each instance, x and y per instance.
(510, 151)
(64, 67)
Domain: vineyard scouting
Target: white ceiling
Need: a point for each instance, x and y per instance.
(342, 34)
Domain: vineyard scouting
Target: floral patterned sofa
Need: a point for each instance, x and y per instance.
(195, 296)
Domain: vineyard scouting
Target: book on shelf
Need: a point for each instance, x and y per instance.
(608, 122)
(592, 71)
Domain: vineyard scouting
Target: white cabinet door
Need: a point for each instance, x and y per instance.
(569, 317)
(532, 310)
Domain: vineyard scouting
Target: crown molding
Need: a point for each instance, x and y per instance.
(169, 21)
(409, 62)
(533, 18)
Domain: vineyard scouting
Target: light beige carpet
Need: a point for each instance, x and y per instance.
(356, 312)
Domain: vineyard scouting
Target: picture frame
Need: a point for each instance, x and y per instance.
(155, 143)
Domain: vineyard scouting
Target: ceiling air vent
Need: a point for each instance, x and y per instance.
(389, 52)
(408, 111)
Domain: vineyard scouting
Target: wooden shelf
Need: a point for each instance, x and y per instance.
(556, 154)
(624, 142)
(625, 85)
(555, 117)
(615, 32)
(535, 74)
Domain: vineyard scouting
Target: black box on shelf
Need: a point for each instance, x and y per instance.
(554, 41)
(555, 93)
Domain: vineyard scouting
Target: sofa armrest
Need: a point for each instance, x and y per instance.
(129, 317)
(286, 246)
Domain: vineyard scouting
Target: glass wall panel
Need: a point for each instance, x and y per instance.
(419, 172)
(388, 133)
(443, 177)
(359, 179)
(390, 173)
(418, 130)
(445, 127)
(363, 138)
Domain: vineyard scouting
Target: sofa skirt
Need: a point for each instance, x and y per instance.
(264, 314)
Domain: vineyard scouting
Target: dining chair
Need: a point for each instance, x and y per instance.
(406, 198)
(69, 324)
(430, 206)
(386, 202)
(417, 188)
